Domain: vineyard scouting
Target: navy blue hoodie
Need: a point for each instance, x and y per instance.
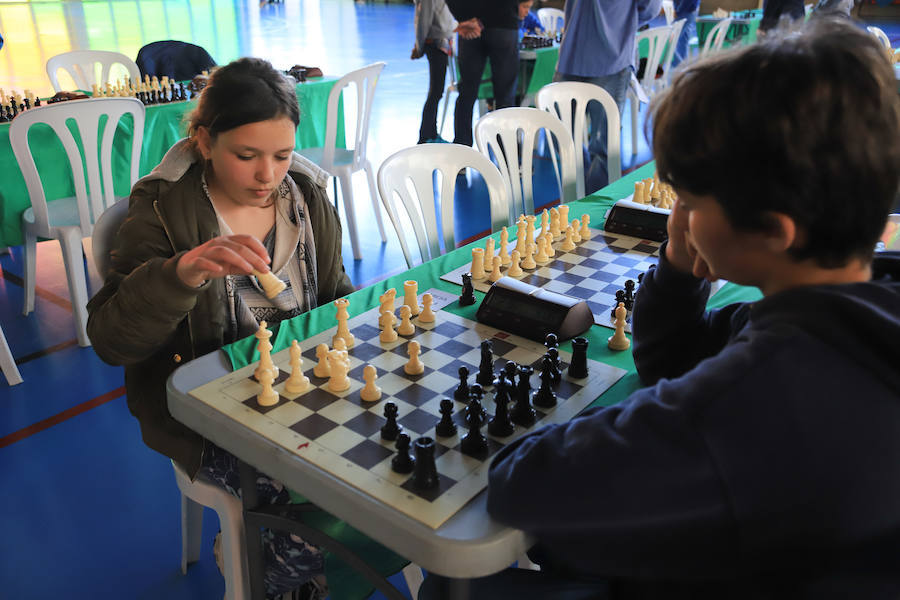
(763, 460)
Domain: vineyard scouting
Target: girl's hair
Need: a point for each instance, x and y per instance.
(248, 90)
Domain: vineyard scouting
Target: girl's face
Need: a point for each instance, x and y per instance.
(248, 162)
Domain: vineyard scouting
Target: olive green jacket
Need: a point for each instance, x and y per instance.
(146, 319)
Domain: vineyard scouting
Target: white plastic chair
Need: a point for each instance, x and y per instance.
(343, 163)
(69, 220)
(558, 99)
(668, 7)
(510, 134)
(881, 36)
(716, 36)
(409, 174)
(552, 19)
(8, 363)
(656, 38)
(666, 64)
(104, 234)
(82, 65)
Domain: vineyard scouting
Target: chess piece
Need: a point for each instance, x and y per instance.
(446, 427)
(406, 326)
(554, 223)
(510, 370)
(620, 299)
(515, 270)
(486, 366)
(265, 352)
(504, 247)
(321, 369)
(343, 331)
(619, 341)
(576, 229)
(414, 366)
(297, 383)
(553, 355)
(629, 294)
(585, 231)
(523, 413)
(545, 222)
(520, 234)
(338, 343)
(425, 475)
(390, 430)
(402, 461)
(578, 368)
(475, 409)
(410, 297)
(268, 396)
(474, 443)
(370, 392)
(427, 315)
(569, 243)
(541, 257)
(500, 424)
(548, 245)
(467, 297)
(461, 393)
(638, 192)
(478, 264)
(529, 229)
(388, 319)
(528, 260)
(488, 251)
(495, 270)
(545, 397)
(387, 302)
(563, 218)
(338, 366)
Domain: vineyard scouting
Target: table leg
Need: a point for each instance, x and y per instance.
(451, 588)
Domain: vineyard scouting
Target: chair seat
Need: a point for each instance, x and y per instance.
(343, 158)
(61, 213)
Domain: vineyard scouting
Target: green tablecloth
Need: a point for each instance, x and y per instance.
(537, 72)
(164, 125)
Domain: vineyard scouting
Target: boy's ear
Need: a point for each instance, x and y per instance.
(782, 232)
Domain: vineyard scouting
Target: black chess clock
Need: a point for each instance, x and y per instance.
(533, 312)
(637, 220)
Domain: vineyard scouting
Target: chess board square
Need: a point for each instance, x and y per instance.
(402, 349)
(583, 251)
(341, 411)
(557, 286)
(242, 389)
(252, 402)
(581, 271)
(627, 261)
(367, 454)
(314, 426)
(612, 288)
(567, 388)
(452, 347)
(444, 484)
(570, 278)
(457, 465)
(535, 280)
(364, 332)
(449, 330)
(366, 424)
(289, 413)
(418, 421)
(438, 381)
(501, 347)
(645, 248)
(415, 394)
(388, 361)
(592, 284)
(341, 439)
(310, 355)
(391, 383)
(452, 368)
(522, 356)
(617, 249)
(316, 399)
(365, 351)
(581, 292)
(607, 239)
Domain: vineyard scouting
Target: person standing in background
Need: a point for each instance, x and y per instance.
(774, 10)
(687, 10)
(434, 40)
(598, 48)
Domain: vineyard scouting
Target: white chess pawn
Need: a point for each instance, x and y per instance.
(528, 261)
(338, 365)
(569, 243)
(618, 341)
(343, 331)
(427, 315)
(388, 319)
(576, 227)
(411, 296)
(338, 343)
(414, 366)
(495, 271)
(529, 229)
(268, 396)
(321, 369)
(297, 383)
(406, 326)
(515, 270)
(541, 257)
(477, 269)
(548, 245)
(370, 392)
(554, 223)
(504, 247)
(585, 232)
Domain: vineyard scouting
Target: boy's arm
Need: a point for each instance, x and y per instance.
(462, 10)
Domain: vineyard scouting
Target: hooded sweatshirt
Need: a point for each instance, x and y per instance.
(763, 461)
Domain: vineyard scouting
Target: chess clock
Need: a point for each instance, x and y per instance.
(533, 312)
(638, 220)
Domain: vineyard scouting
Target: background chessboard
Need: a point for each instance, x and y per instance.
(340, 433)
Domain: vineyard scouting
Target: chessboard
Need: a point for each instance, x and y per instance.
(340, 433)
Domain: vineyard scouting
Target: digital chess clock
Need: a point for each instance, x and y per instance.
(533, 312)
(638, 220)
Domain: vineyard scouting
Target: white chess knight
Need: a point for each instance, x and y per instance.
(339, 366)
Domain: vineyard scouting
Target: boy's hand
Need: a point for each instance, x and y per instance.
(680, 253)
(469, 29)
(416, 53)
(221, 256)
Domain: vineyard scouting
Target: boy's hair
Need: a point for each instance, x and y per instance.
(803, 123)
(248, 90)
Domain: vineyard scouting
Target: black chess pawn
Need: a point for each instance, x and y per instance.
(555, 366)
(425, 475)
(27, 103)
(620, 297)
(461, 393)
(475, 411)
(446, 427)
(468, 292)
(551, 341)
(500, 424)
(474, 443)
(486, 367)
(37, 102)
(578, 368)
(390, 430)
(402, 461)
(510, 370)
(523, 413)
(629, 294)
(545, 397)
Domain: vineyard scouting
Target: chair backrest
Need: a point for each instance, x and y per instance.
(716, 36)
(81, 65)
(552, 19)
(668, 7)
(568, 102)
(656, 38)
(409, 174)
(365, 80)
(510, 134)
(96, 194)
(881, 36)
(104, 234)
(677, 26)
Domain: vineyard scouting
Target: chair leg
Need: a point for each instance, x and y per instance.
(412, 573)
(635, 109)
(8, 363)
(191, 532)
(376, 206)
(350, 212)
(234, 553)
(73, 258)
(29, 252)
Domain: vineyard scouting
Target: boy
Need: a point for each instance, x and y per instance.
(764, 459)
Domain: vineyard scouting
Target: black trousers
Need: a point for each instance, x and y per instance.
(437, 75)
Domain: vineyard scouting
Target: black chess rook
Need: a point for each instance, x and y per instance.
(578, 368)
(425, 475)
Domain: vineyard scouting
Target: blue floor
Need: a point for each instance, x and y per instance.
(87, 511)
